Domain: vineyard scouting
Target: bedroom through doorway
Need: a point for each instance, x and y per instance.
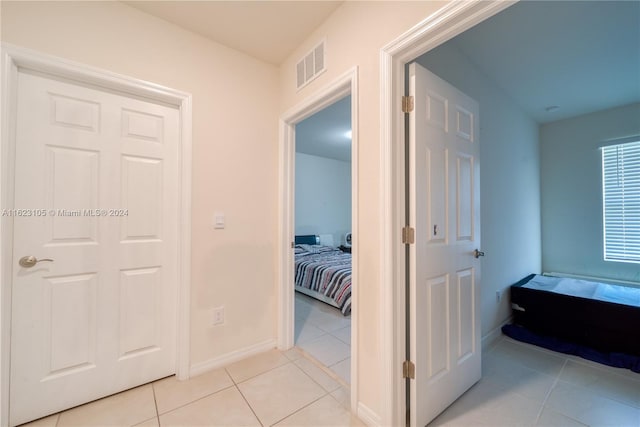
(323, 226)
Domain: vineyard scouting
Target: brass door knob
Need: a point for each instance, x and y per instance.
(29, 261)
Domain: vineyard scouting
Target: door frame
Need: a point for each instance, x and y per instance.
(443, 25)
(342, 86)
(15, 59)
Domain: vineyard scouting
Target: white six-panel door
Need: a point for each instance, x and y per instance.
(97, 177)
(444, 274)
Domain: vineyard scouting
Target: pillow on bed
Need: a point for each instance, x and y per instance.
(313, 249)
(307, 248)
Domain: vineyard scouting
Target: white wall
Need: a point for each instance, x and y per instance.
(509, 182)
(234, 149)
(571, 165)
(323, 196)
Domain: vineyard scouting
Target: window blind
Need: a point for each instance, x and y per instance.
(621, 200)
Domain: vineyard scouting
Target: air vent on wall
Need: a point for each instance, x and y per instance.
(310, 66)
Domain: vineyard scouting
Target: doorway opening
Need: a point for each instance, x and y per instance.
(319, 321)
(322, 253)
(446, 23)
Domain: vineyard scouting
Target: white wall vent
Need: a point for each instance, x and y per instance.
(310, 66)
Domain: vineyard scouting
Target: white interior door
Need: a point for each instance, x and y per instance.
(444, 274)
(97, 176)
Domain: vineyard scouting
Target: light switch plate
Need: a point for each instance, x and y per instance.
(218, 220)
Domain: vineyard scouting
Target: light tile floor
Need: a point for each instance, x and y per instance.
(524, 385)
(324, 333)
(271, 389)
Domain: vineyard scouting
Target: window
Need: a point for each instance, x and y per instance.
(621, 201)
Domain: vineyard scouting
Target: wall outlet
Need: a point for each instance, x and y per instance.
(218, 316)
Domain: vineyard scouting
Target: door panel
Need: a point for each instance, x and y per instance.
(142, 198)
(465, 309)
(439, 328)
(71, 333)
(139, 310)
(102, 169)
(72, 177)
(444, 276)
(437, 192)
(464, 197)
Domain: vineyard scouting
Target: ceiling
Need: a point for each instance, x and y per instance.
(582, 56)
(327, 133)
(267, 30)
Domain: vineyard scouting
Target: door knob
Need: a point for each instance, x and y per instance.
(29, 261)
(477, 253)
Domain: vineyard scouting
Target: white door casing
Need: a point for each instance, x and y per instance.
(345, 84)
(444, 199)
(101, 317)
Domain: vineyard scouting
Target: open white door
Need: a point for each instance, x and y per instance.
(96, 177)
(444, 209)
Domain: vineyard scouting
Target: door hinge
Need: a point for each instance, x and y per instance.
(407, 104)
(408, 235)
(408, 370)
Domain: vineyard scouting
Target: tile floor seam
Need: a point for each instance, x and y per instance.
(599, 396)
(317, 318)
(155, 401)
(157, 417)
(326, 369)
(548, 393)
(300, 409)
(192, 401)
(249, 405)
(339, 361)
(635, 406)
(606, 369)
(538, 374)
(546, 398)
(261, 373)
(229, 375)
(312, 339)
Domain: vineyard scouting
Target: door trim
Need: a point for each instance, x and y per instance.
(344, 85)
(16, 58)
(443, 25)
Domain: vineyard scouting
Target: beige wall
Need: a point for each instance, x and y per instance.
(355, 32)
(234, 149)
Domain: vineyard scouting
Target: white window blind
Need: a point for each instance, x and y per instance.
(621, 199)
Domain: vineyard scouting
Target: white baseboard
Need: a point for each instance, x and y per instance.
(234, 356)
(492, 336)
(368, 416)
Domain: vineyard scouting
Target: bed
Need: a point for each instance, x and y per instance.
(323, 272)
(603, 317)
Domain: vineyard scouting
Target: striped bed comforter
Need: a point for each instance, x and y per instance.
(327, 271)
